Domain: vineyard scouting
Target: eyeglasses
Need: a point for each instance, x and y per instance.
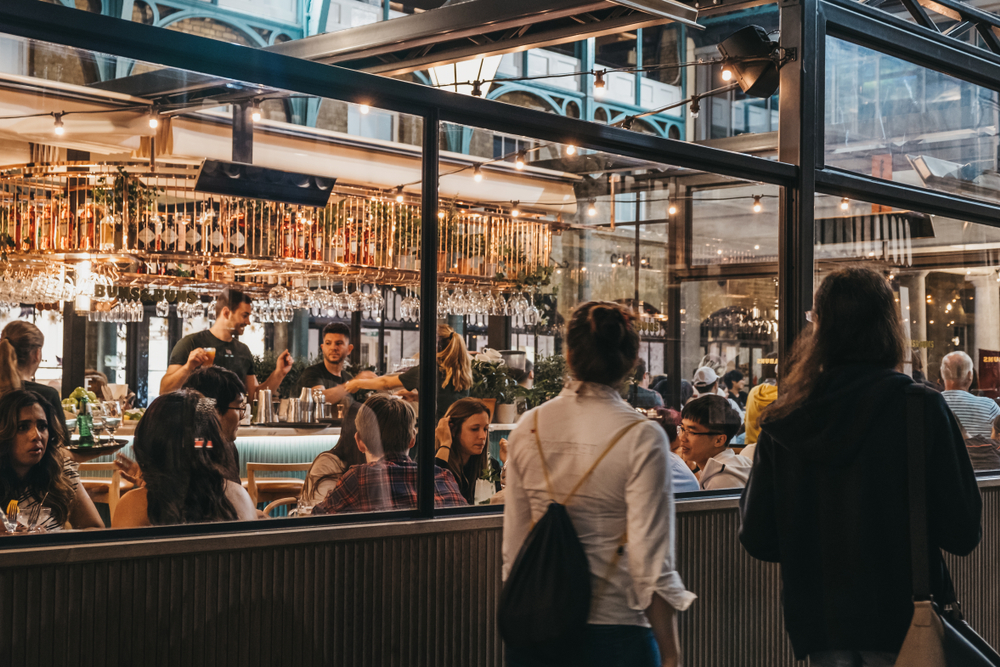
(241, 408)
(684, 429)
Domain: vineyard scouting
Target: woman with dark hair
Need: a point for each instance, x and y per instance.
(828, 494)
(34, 468)
(623, 512)
(328, 467)
(461, 440)
(454, 373)
(174, 446)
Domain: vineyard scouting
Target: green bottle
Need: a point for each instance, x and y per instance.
(85, 422)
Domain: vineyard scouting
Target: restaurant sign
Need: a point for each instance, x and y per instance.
(144, 294)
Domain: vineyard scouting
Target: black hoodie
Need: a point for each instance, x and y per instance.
(827, 498)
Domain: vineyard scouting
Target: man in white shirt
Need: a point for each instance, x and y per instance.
(708, 424)
(974, 413)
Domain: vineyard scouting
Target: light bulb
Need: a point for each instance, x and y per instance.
(671, 208)
(599, 85)
(154, 119)
(845, 204)
(477, 174)
(757, 207)
(514, 211)
(592, 208)
(570, 149)
(255, 111)
(441, 215)
(727, 74)
(399, 194)
(364, 108)
(59, 128)
(519, 162)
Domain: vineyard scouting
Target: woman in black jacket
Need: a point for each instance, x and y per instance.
(827, 496)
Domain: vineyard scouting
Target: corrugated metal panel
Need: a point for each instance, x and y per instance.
(408, 594)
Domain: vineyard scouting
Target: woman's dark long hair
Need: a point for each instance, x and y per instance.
(183, 484)
(460, 412)
(45, 477)
(856, 322)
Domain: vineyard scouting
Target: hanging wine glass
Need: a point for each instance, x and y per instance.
(163, 306)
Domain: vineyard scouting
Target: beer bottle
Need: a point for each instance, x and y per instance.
(85, 422)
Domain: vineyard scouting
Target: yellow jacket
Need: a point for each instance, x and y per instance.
(759, 398)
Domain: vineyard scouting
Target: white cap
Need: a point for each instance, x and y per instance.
(704, 377)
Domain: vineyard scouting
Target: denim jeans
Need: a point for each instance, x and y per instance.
(852, 659)
(604, 646)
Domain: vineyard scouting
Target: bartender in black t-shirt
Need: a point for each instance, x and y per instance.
(232, 315)
(329, 374)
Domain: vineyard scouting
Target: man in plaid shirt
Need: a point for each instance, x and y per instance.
(386, 430)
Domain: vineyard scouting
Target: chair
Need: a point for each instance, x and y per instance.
(269, 489)
(279, 503)
(104, 489)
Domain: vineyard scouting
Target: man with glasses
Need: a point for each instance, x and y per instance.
(226, 388)
(708, 425)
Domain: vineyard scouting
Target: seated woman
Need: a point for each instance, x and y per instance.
(34, 469)
(328, 467)
(183, 482)
(461, 444)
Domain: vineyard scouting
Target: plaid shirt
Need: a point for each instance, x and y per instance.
(387, 484)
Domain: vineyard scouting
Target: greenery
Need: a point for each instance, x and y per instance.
(492, 381)
(551, 374)
(141, 197)
(264, 365)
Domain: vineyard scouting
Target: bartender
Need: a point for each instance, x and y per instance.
(220, 346)
(329, 375)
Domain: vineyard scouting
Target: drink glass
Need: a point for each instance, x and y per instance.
(303, 508)
(211, 354)
(112, 416)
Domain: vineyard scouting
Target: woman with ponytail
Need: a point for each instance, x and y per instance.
(454, 367)
(20, 355)
(623, 512)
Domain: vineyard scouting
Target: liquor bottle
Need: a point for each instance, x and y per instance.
(85, 422)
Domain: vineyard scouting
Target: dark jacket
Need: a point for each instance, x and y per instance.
(827, 498)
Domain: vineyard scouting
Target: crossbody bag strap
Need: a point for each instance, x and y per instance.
(607, 450)
(916, 433)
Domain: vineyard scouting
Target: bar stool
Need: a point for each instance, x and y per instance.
(104, 489)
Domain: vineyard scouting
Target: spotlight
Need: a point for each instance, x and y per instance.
(727, 72)
(757, 77)
(570, 149)
(671, 208)
(599, 85)
(757, 207)
(154, 119)
(399, 194)
(845, 204)
(364, 108)
(477, 173)
(519, 161)
(255, 111)
(592, 208)
(514, 211)
(59, 128)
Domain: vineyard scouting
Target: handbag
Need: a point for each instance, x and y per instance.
(936, 638)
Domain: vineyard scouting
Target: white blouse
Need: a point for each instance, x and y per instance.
(630, 489)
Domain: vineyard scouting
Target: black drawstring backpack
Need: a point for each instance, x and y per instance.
(545, 601)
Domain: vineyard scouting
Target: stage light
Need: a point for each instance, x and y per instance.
(748, 52)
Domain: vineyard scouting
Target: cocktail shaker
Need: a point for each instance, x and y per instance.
(265, 409)
(307, 407)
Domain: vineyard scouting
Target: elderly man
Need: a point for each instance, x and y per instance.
(974, 413)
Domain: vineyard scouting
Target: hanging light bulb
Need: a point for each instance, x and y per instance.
(695, 107)
(727, 73)
(671, 208)
(845, 204)
(59, 128)
(514, 211)
(592, 208)
(255, 111)
(154, 118)
(757, 207)
(364, 108)
(599, 85)
(519, 161)
(477, 173)
(399, 194)
(570, 149)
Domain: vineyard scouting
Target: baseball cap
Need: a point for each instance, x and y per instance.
(704, 376)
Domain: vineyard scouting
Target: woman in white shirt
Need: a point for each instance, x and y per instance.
(635, 596)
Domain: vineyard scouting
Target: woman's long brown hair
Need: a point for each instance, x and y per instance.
(17, 342)
(856, 322)
(459, 412)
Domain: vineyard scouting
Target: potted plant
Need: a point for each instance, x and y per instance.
(492, 383)
(550, 376)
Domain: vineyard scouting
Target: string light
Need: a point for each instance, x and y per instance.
(671, 208)
(399, 194)
(477, 174)
(519, 161)
(59, 128)
(599, 85)
(845, 204)
(727, 72)
(154, 119)
(514, 211)
(255, 111)
(757, 207)
(364, 108)
(695, 107)
(570, 149)
(592, 207)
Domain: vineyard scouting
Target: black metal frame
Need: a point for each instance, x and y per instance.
(806, 23)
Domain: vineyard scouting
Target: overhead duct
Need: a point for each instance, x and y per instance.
(465, 30)
(236, 179)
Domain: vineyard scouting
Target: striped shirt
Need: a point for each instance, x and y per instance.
(974, 413)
